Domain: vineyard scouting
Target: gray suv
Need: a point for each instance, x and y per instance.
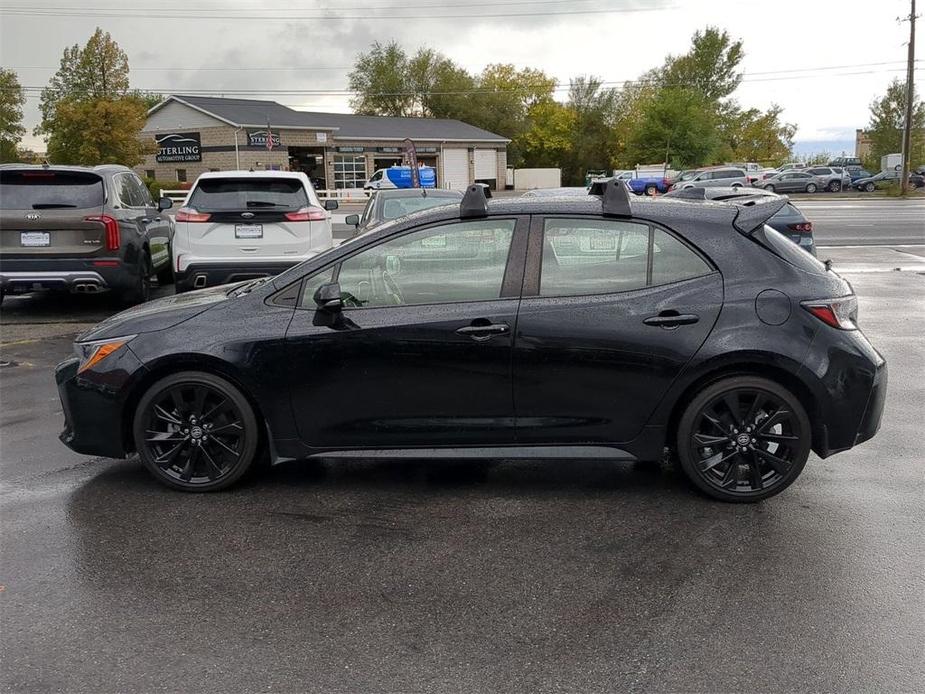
(830, 178)
(82, 230)
(719, 176)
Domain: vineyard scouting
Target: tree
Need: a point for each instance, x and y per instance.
(89, 114)
(99, 70)
(887, 118)
(548, 140)
(381, 81)
(754, 135)
(710, 66)
(12, 99)
(99, 131)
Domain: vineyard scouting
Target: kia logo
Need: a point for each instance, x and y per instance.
(33, 216)
(247, 215)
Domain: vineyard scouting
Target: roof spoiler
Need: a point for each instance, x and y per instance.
(752, 214)
(615, 197)
(475, 201)
(692, 193)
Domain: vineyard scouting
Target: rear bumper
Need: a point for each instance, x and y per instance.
(27, 275)
(200, 275)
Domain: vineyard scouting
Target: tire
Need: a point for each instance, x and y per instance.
(141, 291)
(165, 276)
(870, 187)
(811, 188)
(184, 410)
(743, 459)
(736, 186)
(834, 187)
(651, 190)
(769, 188)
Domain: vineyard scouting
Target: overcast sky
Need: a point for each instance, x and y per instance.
(788, 43)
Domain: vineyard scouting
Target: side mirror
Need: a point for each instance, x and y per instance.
(164, 203)
(327, 297)
(353, 219)
(331, 204)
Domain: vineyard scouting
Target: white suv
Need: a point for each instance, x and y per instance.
(238, 225)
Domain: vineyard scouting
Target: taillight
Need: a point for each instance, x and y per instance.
(188, 214)
(307, 214)
(803, 227)
(113, 238)
(841, 313)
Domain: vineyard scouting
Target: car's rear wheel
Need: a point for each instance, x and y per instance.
(811, 188)
(769, 188)
(651, 190)
(834, 186)
(743, 439)
(196, 432)
(869, 187)
(141, 289)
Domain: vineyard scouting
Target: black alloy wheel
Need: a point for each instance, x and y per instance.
(196, 432)
(743, 439)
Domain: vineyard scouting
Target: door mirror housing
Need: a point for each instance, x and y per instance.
(164, 203)
(327, 297)
(331, 204)
(353, 219)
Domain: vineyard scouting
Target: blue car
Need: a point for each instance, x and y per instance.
(645, 185)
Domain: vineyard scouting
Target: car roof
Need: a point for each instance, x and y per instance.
(253, 174)
(720, 193)
(418, 193)
(102, 168)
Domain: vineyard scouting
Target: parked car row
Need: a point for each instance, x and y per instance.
(88, 230)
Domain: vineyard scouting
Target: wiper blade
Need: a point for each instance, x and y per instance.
(52, 206)
(249, 287)
(263, 203)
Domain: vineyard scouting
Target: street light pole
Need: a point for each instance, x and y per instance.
(910, 95)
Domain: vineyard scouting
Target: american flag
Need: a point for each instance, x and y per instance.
(269, 137)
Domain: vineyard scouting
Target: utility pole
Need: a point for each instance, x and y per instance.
(910, 94)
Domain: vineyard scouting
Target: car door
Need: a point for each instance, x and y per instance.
(421, 353)
(158, 227)
(789, 182)
(611, 312)
(129, 209)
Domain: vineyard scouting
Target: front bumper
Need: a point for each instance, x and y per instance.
(94, 404)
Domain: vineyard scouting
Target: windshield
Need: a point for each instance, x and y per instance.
(687, 175)
(399, 207)
(46, 190)
(218, 194)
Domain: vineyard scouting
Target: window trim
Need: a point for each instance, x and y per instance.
(118, 190)
(534, 262)
(511, 279)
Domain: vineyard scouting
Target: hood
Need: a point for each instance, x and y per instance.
(158, 314)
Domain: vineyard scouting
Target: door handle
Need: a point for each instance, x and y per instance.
(484, 331)
(671, 319)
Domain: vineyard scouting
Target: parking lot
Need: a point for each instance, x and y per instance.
(504, 576)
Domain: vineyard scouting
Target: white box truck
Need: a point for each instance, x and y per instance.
(891, 162)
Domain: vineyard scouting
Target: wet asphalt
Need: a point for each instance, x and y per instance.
(435, 577)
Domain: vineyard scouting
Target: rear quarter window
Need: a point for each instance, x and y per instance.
(783, 247)
(38, 190)
(218, 194)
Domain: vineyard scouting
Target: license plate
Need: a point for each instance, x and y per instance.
(248, 231)
(35, 238)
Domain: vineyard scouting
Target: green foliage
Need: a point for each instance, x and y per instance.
(154, 187)
(887, 117)
(89, 115)
(12, 99)
(709, 67)
(754, 135)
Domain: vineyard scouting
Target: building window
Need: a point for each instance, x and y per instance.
(149, 173)
(181, 175)
(349, 171)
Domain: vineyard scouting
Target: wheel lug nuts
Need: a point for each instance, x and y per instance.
(754, 440)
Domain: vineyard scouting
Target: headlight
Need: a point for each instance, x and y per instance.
(92, 353)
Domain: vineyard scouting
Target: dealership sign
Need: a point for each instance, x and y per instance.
(178, 147)
(258, 138)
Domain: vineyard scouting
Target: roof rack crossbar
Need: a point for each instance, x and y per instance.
(475, 201)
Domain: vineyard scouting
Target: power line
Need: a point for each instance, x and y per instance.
(132, 12)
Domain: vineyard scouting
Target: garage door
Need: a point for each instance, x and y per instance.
(456, 168)
(486, 164)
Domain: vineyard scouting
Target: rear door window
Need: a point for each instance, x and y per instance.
(221, 194)
(398, 207)
(39, 189)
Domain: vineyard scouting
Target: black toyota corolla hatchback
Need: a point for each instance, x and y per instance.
(572, 327)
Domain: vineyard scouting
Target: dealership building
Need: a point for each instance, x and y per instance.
(194, 134)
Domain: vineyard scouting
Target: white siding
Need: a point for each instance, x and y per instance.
(176, 116)
(486, 164)
(456, 168)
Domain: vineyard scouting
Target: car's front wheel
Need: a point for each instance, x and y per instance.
(743, 439)
(196, 432)
(769, 187)
(870, 187)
